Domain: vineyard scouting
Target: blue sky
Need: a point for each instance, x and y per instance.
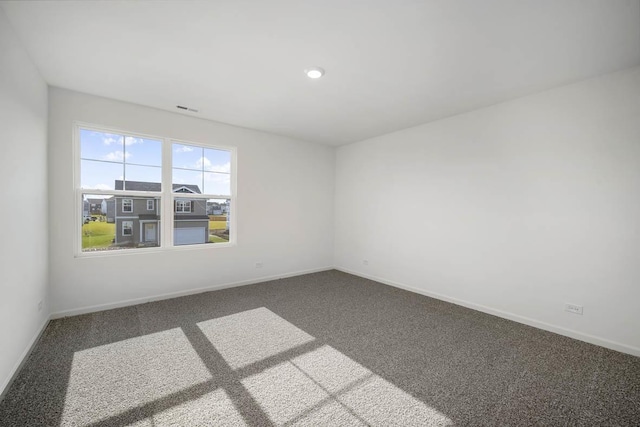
(107, 157)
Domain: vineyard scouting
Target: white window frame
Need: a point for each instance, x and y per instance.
(130, 203)
(152, 204)
(127, 222)
(166, 197)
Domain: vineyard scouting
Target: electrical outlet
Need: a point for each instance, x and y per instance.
(259, 264)
(40, 306)
(365, 262)
(572, 308)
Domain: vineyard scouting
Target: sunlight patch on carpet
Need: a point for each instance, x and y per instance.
(324, 385)
(253, 335)
(212, 409)
(111, 379)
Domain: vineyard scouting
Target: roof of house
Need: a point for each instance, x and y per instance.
(95, 201)
(152, 186)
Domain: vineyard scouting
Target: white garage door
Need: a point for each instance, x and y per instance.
(189, 236)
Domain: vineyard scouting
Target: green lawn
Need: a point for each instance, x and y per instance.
(97, 235)
(216, 239)
(217, 225)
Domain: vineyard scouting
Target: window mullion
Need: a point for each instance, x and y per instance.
(167, 199)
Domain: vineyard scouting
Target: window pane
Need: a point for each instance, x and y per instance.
(101, 146)
(218, 211)
(206, 170)
(187, 156)
(100, 175)
(142, 151)
(97, 232)
(217, 160)
(187, 181)
(120, 223)
(143, 178)
(217, 183)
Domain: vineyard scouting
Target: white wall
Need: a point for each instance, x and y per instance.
(284, 210)
(23, 210)
(515, 209)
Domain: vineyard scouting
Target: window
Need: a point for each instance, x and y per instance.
(127, 228)
(133, 179)
(183, 206)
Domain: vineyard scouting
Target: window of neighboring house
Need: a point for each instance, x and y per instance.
(183, 206)
(127, 205)
(127, 228)
(118, 168)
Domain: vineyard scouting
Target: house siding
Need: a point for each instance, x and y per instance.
(139, 208)
(111, 210)
(197, 218)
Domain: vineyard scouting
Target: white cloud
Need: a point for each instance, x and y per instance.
(108, 140)
(131, 140)
(208, 166)
(103, 187)
(116, 156)
(183, 149)
(223, 168)
(113, 139)
(203, 161)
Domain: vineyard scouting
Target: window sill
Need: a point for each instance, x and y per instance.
(138, 251)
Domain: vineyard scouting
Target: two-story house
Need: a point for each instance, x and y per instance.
(137, 219)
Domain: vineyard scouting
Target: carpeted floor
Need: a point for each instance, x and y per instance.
(321, 349)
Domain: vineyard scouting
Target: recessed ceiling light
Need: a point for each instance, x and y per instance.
(314, 72)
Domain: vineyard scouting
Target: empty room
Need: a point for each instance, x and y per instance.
(337, 213)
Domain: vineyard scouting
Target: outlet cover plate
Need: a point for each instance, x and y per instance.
(573, 308)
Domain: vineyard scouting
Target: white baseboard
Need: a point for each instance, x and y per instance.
(623, 348)
(126, 303)
(23, 358)
(635, 351)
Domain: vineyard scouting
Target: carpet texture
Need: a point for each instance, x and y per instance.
(316, 350)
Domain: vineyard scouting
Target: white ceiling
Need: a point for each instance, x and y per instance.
(389, 64)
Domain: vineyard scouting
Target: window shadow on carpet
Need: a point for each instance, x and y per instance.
(252, 368)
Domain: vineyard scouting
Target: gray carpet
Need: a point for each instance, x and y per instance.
(320, 349)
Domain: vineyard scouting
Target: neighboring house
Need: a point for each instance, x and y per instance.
(85, 208)
(137, 218)
(95, 206)
(214, 208)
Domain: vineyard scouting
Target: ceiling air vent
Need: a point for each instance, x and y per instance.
(181, 107)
